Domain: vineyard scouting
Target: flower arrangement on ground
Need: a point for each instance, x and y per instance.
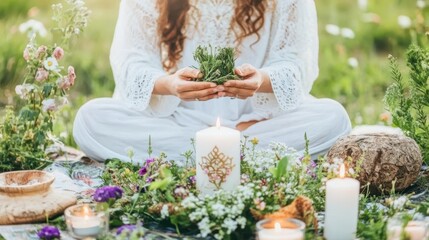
(275, 182)
(165, 192)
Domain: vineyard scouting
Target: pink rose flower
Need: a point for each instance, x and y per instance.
(64, 83)
(41, 51)
(58, 53)
(71, 75)
(41, 75)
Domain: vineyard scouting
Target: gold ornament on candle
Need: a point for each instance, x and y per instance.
(217, 166)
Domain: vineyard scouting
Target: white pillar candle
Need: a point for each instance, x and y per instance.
(217, 159)
(342, 205)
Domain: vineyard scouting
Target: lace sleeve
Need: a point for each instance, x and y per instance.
(135, 54)
(292, 62)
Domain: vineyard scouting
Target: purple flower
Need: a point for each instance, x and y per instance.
(192, 179)
(142, 171)
(149, 161)
(311, 169)
(106, 193)
(126, 228)
(49, 232)
(149, 180)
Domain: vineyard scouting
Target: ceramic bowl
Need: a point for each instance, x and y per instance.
(27, 181)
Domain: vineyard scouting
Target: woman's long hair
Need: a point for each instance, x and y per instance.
(249, 18)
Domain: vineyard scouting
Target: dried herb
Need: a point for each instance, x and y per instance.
(216, 65)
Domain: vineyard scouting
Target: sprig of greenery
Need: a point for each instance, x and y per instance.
(216, 65)
(408, 99)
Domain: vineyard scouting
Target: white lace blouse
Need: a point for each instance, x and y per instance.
(287, 50)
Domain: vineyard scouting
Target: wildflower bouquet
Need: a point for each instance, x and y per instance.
(26, 134)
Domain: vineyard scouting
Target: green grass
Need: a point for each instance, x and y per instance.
(359, 89)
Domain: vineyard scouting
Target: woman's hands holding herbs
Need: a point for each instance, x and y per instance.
(180, 85)
(217, 66)
(250, 83)
(215, 77)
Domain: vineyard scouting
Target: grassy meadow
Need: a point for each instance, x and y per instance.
(355, 39)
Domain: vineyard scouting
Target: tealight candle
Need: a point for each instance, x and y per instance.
(415, 230)
(342, 204)
(217, 159)
(280, 229)
(85, 221)
(86, 226)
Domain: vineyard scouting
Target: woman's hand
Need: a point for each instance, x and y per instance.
(179, 84)
(251, 83)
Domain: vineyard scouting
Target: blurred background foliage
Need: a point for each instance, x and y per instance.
(356, 36)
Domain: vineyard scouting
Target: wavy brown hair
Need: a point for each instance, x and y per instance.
(248, 19)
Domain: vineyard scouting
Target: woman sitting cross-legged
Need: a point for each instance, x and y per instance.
(277, 58)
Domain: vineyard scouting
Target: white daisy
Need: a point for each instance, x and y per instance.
(353, 62)
(51, 64)
(347, 33)
(332, 29)
(404, 21)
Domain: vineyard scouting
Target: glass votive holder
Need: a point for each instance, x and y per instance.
(282, 228)
(86, 221)
(415, 229)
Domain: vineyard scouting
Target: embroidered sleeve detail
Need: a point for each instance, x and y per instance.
(135, 55)
(292, 60)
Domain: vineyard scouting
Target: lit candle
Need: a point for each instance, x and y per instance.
(415, 230)
(87, 225)
(342, 204)
(217, 159)
(292, 229)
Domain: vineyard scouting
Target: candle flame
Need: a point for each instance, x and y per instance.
(85, 212)
(277, 227)
(342, 171)
(218, 122)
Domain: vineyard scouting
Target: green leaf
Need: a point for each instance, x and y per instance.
(180, 219)
(282, 168)
(273, 171)
(47, 88)
(164, 172)
(160, 184)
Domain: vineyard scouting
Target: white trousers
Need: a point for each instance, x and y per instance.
(105, 128)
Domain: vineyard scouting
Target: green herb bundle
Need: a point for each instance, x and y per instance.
(216, 65)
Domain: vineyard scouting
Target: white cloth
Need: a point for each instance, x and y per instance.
(105, 128)
(287, 50)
